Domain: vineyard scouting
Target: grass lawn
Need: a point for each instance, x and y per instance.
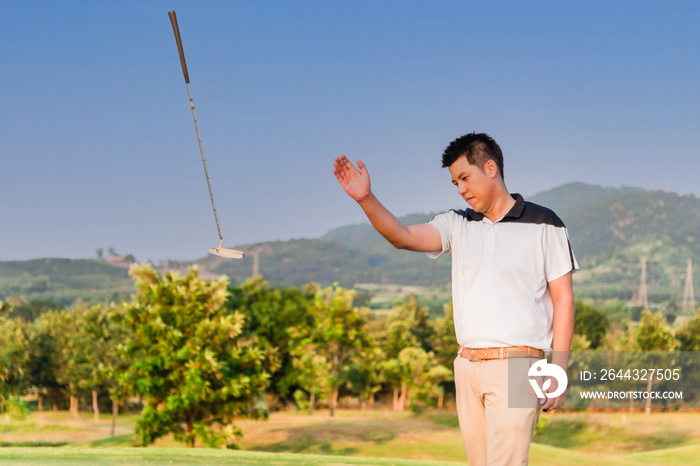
(357, 437)
(168, 456)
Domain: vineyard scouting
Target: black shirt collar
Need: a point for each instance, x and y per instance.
(514, 211)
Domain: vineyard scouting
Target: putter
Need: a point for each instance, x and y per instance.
(220, 250)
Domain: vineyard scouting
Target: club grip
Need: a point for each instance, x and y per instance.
(176, 30)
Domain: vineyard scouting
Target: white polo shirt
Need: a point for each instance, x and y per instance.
(500, 272)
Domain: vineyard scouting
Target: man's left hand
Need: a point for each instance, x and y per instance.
(548, 404)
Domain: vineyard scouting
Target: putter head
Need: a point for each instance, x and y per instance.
(227, 253)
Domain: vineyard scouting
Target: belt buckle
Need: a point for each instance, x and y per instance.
(471, 350)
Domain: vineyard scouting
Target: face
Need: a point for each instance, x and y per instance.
(474, 185)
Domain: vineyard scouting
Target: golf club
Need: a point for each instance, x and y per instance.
(220, 250)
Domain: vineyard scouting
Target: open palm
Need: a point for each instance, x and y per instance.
(355, 182)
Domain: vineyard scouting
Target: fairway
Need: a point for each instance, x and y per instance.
(359, 437)
(167, 456)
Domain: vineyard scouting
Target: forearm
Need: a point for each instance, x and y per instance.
(385, 222)
(564, 314)
(563, 322)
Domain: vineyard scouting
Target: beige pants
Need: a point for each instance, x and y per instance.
(493, 433)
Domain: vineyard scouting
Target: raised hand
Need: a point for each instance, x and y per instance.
(355, 182)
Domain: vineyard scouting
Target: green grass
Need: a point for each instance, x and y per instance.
(360, 437)
(168, 456)
(540, 455)
(616, 433)
(683, 455)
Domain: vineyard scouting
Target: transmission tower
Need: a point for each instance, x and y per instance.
(256, 264)
(689, 296)
(643, 301)
(256, 252)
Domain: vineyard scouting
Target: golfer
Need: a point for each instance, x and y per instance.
(511, 291)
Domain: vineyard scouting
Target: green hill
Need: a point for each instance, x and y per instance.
(300, 261)
(610, 230)
(63, 280)
(573, 196)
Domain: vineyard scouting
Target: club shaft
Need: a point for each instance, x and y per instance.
(181, 51)
(204, 162)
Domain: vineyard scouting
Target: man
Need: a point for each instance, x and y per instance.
(511, 286)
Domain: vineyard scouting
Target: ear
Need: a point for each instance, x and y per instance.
(490, 168)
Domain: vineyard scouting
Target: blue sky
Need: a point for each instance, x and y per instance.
(98, 148)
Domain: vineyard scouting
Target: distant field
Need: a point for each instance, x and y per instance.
(385, 294)
(356, 437)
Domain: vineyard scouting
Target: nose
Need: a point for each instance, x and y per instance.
(462, 188)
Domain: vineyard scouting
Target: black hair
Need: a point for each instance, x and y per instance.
(478, 148)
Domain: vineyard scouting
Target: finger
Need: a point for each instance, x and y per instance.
(337, 167)
(561, 400)
(361, 166)
(550, 404)
(346, 162)
(547, 403)
(340, 168)
(554, 403)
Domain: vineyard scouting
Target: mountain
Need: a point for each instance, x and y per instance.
(573, 196)
(63, 280)
(300, 261)
(611, 229)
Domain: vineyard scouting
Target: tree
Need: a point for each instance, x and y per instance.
(392, 370)
(100, 253)
(312, 369)
(688, 338)
(364, 376)
(688, 335)
(445, 346)
(34, 308)
(421, 375)
(270, 313)
(407, 326)
(592, 323)
(100, 336)
(13, 359)
(113, 361)
(653, 333)
(338, 334)
(5, 309)
(191, 364)
(43, 358)
(75, 356)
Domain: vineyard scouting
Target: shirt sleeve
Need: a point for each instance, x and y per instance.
(443, 223)
(559, 258)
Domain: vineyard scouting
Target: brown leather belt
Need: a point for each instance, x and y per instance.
(484, 354)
